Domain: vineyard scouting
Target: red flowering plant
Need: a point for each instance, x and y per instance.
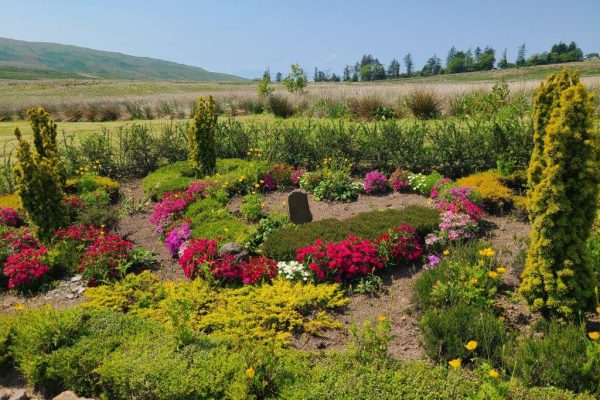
(459, 200)
(258, 269)
(19, 239)
(296, 175)
(198, 253)
(399, 180)
(281, 174)
(343, 261)
(26, 268)
(68, 245)
(400, 245)
(105, 259)
(10, 217)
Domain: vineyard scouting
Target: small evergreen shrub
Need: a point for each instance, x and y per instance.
(40, 175)
(202, 153)
(495, 196)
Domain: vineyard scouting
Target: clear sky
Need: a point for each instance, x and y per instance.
(244, 36)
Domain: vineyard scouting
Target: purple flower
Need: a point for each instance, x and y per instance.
(176, 237)
(433, 261)
(375, 182)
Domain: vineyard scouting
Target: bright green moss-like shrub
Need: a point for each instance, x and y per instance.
(267, 313)
(563, 177)
(495, 196)
(282, 243)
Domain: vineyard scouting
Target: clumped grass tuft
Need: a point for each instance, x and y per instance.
(424, 104)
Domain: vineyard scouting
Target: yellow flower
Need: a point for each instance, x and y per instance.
(455, 363)
(493, 373)
(502, 318)
(381, 318)
(493, 274)
(256, 185)
(598, 310)
(501, 270)
(481, 263)
(471, 345)
(250, 372)
(473, 281)
(226, 229)
(487, 252)
(262, 181)
(446, 252)
(20, 307)
(594, 335)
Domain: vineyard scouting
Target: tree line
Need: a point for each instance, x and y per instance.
(369, 68)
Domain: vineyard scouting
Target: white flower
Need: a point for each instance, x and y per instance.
(293, 270)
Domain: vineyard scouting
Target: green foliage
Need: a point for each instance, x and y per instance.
(445, 333)
(593, 250)
(282, 244)
(40, 175)
(202, 154)
(280, 105)
(458, 279)
(563, 178)
(337, 187)
(211, 220)
(560, 356)
(423, 184)
(262, 230)
(296, 81)
(252, 207)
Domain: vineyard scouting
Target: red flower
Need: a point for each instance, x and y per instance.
(197, 253)
(258, 269)
(400, 245)
(26, 267)
(85, 233)
(102, 259)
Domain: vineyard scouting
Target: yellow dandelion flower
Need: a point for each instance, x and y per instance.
(487, 252)
(20, 307)
(493, 274)
(481, 263)
(381, 318)
(250, 372)
(594, 335)
(257, 185)
(471, 345)
(446, 252)
(226, 229)
(473, 281)
(493, 373)
(455, 363)
(501, 270)
(253, 192)
(598, 310)
(262, 181)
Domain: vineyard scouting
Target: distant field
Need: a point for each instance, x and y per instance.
(100, 100)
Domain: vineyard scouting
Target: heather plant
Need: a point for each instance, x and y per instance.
(375, 182)
(563, 176)
(40, 175)
(202, 153)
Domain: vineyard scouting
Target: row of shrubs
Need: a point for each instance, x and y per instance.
(420, 103)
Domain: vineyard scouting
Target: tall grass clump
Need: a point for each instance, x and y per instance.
(424, 104)
(563, 177)
(280, 105)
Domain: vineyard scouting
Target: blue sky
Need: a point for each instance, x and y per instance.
(243, 37)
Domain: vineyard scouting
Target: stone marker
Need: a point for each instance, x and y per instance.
(298, 207)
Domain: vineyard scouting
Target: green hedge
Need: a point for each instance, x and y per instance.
(282, 244)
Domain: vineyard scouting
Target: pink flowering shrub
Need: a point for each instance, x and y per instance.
(453, 227)
(200, 258)
(166, 212)
(459, 200)
(10, 217)
(399, 245)
(375, 182)
(343, 261)
(26, 268)
(269, 183)
(297, 175)
(176, 237)
(399, 180)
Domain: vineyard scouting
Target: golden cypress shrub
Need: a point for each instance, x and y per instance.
(563, 176)
(202, 152)
(40, 175)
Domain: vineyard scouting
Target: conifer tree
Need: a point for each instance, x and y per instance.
(563, 177)
(202, 151)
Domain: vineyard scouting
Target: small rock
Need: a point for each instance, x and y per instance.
(71, 296)
(236, 250)
(81, 290)
(19, 394)
(68, 395)
(5, 393)
(76, 278)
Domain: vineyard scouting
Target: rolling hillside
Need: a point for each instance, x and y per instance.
(36, 60)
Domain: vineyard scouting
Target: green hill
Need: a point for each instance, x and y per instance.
(37, 60)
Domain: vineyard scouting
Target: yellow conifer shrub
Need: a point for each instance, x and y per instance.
(563, 176)
(202, 151)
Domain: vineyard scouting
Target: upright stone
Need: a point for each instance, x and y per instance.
(298, 207)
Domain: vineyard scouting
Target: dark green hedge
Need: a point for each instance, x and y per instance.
(282, 244)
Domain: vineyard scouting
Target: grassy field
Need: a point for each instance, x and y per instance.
(74, 100)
